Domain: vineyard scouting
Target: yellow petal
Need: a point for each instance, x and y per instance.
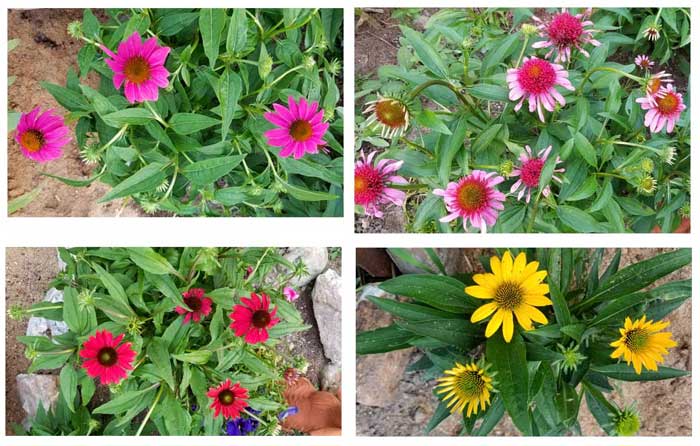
(523, 318)
(483, 311)
(508, 325)
(494, 323)
(535, 314)
(519, 264)
(507, 265)
(496, 266)
(537, 300)
(479, 292)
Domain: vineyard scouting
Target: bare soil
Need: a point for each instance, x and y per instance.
(665, 406)
(45, 53)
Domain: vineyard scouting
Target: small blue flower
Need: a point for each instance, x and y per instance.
(232, 428)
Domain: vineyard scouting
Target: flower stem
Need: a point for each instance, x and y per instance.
(427, 84)
(156, 115)
(257, 265)
(637, 79)
(533, 212)
(150, 411)
(408, 186)
(417, 146)
(522, 50)
(115, 138)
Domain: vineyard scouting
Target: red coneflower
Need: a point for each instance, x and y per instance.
(565, 31)
(229, 399)
(105, 358)
(252, 318)
(199, 304)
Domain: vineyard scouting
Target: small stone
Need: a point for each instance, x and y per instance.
(34, 390)
(39, 326)
(331, 377)
(327, 302)
(315, 259)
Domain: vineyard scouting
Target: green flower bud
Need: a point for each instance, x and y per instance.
(75, 29)
(16, 313)
(627, 422)
(506, 168)
(528, 29)
(647, 165)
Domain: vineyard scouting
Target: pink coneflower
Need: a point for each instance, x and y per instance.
(529, 171)
(42, 135)
(474, 198)
(643, 62)
(290, 294)
(252, 318)
(654, 83)
(229, 399)
(300, 128)
(140, 67)
(199, 304)
(371, 184)
(105, 358)
(664, 111)
(563, 32)
(535, 81)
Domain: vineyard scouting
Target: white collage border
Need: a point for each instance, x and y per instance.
(38, 232)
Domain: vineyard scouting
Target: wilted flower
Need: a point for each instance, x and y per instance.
(664, 111)
(652, 32)
(535, 81)
(390, 114)
(300, 128)
(653, 84)
(140, 67)
(41, 136)
(643, 61)
(372, 184)
(668, 154)
(563, 32)
(529, 171)
(474, 198)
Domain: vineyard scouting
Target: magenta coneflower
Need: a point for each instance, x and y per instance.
(563, 32)
(252, 318)
(140, 67)
(229, 399)
(105, 358)
(290, 294)
(300, 128)
(474, 198)
(535, 81)
(664, 110)
(42, 135)
(529, 171)
(643, 62)
(199, 304)
(372, 184)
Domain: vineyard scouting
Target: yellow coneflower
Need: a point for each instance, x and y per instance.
(389, 114)
(467, 385)
(514, 288)
(643, 343)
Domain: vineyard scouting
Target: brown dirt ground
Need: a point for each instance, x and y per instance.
(410, 412)
(45, 53)
(28, 272)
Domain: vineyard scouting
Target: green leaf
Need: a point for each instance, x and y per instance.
(509, 361)
(426, 53)
(457, 332)
(165, 285)
(206, 172)
(69, 99)
(486, 137)
(489, 92)
(453, 144)
(68, 380)
(22, 201)
(237, 36)
(579, 220)
(428, 118)
(172, 24)
(498, 51)
(158, 354)
(382, 340)
(442, 292)
(616, 310)
(188, 123)
(73, 182)
(151, 261)
(211, 25)
(145, 179)
(625, 372)
(130, 116)
(124, 401)
(115, 290)
(72, 313)
(585, 149)
(561, 308)
(196, 357)
(408, 311)
(229, 91)
(441, 413)
(304, 194)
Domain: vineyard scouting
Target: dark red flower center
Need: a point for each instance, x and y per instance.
(644, 63)
(536, 76)
(226, 397)
(261, 319)
(530, 172)
(193, 303)
(564, 29)
(667, 104)
(472, 195)
(391, 113)
(107, 356)
(137, 70)
(369, 185)
(300, 130)
(32, 140)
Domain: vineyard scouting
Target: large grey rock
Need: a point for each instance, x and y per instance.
(378, 376)
(326, 298)
(39, 326)
(451, 258)
(34, 390)
(315, 259)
